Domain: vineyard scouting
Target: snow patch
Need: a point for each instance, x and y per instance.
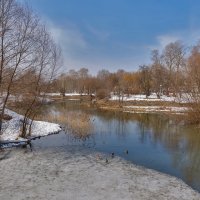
(185, 98)
(149, 109)
(66, 94)
(11, 129)
(72, 172)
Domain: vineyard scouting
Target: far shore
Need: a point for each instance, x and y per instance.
(136, 104)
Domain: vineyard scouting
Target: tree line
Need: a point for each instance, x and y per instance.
(174, 70)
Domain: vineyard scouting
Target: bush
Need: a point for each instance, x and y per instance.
(194, 114)
(102, 94)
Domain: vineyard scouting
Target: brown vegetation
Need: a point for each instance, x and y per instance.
(78, 124)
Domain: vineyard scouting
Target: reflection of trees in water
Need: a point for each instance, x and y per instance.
(189, 157)
(151, 126)
(115, 121)
(182, 141)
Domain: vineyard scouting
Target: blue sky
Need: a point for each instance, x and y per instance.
(117, 34)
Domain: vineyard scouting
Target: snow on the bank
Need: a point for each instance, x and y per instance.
(148, 109)
(11, 128)
(71, 172)
(185, 98)
(66, 94)
(53, 94)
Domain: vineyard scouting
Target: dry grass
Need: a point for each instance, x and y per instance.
(79, 124)
(194, 114)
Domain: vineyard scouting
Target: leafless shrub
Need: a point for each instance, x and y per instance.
(102, 94)
(78, 124)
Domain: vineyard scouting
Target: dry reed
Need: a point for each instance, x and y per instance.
(78, 124)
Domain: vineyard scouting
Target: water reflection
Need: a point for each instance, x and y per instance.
(154, 141)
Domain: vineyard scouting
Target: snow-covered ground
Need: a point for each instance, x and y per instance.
(66, 94)
(152, 109)
(185, 98)
(71, 172)
(11, 128)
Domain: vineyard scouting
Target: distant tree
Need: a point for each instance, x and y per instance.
(103, 75)
(83, 74)
(193, 84)
(91, 85)
(145, 79)
(120, 87)
(72, 81)
(193, 70)
(158, 73)
(173, 57)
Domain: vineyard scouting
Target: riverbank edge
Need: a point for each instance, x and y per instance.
(10, 137)
(132, 106)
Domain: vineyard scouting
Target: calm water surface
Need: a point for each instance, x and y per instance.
(152, 140)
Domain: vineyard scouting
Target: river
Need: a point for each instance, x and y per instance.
(151, 140)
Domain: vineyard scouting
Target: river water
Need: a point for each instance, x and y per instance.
(150, 140)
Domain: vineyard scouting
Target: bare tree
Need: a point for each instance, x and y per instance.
(47, 59)
(193, 84)
(158, 73)
(173, 57)
(17, 43)
(145, 79)
(26, 47)
(83, 75)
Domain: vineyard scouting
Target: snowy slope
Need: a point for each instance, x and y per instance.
(11, 128)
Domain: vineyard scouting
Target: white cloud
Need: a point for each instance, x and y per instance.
(71, 42)
(77, 52)
(69, 37)
(164, 40)
(101, 35)
(187, 37)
